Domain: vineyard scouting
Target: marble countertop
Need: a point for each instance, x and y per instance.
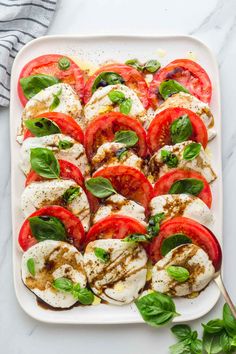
(212, 21)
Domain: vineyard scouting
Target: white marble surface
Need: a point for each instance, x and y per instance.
(212, 21)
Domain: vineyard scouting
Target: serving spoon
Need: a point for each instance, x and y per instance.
(219, 281)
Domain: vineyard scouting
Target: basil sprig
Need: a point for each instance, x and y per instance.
(44, 163)
(181, 129)
(187, 185)
(191, 151)
(100, 187)
(64, 63)
(56, 100)
(151, 65)
(170, 159)
(107, 78)
(47, 228)
(33, 84)
(102, 254)
(169, 87)
(65, 144)
(156, 309)
(178, 273)
(118, 97)
(127, 137)
(154, 224)
(70, 194)
(31, 266)
(83, 295)
(41, 127)
(188, 340)
(172, 242)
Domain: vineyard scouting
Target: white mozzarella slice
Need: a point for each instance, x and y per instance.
(200, 163)
(120, 279)
(39, 194)
(191, 257)
(173, 205)
(185, 100)
(117, 204)
(53, 260)
(75, 154)
(100, 103)
(108, 155)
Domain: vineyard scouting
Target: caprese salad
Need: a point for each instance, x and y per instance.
(117, 198)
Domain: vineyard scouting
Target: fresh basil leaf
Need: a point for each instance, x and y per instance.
(65, 144)
(100, 187)
(233, 341)
(125, 106)
(135, 64)
(213, 326)
(33, 84)
(152, 66)
(181, 129)
(170, 159)
(63, 284)
(102, 254)
(191, 151)
(116, 96)
(105, 79)
(154, 224)
(31, 266)
(41, 127)
(127, 137)
(211, 343)
(136, 238)
(64, 63)
(70, 194)
(173, 241)
(170, 87)
(44, 163)
(179, 274)
(196, 346)
(56, 100)
(83, 295)
(47, 228)
(181, 347)
(121, 153)
(187, 185)
(181, 331)
(156, 309)
(229, 320)
(225, 341)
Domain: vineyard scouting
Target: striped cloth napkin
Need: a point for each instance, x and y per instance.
(20, 22)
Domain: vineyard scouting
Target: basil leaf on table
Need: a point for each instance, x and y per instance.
(229, 320)
(170, 159)
(44, 163)
(64, 63)
(63, 284)
(187, 185)
(191, 151)
(116, 96)
(172, 242)
(154, 224)
(213, 326)
(33, 84)
(41, 126)
(127, 137)
(169, 87)
(125, 106)
(47, 228)
(136, 238)
(70, 194)
(211, 343)
(65, 144)
(181, 331)
(182, 347)
(188, 340)
(31, 266)
(225, 341)
(152, 66)
(102, 254)
(156, 309)
(178, 273)
(107, 78)
(100, 187)
(181, 129)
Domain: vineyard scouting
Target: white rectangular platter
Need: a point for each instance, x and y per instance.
(98, 49)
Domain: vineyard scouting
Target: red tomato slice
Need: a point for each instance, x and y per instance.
(159, 135)
(65, 123)
(74, 228)
(189, 74)
(163, 185)
(129, 182)
(132, 77)
(115, 226)
(103, 128)
(199, 235)
(48, 65)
